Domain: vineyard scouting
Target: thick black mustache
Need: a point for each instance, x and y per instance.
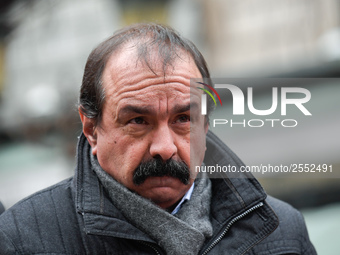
(158, 168)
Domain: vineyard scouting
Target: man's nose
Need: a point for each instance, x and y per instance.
(163, 143)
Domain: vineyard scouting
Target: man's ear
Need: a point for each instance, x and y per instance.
(206, 127)
(90, 131)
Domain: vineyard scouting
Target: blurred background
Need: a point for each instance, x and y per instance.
(43, 49)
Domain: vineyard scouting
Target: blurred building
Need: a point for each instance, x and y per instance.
(271, 37)
(44, 61)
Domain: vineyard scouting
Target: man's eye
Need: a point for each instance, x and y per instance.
(183, 119)
(138, 120)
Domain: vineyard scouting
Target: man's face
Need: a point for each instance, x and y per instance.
(148, 116)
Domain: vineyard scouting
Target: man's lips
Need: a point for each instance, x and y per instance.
(163, 181)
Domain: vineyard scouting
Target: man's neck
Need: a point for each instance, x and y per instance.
(177, 206)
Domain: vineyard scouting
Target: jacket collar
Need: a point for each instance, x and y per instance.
(230, 196)
(233, 192)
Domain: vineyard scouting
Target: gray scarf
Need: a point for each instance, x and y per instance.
(183, 233)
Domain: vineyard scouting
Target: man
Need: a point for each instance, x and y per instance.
(135, 190)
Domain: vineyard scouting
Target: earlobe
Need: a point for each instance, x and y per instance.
(90, 131)
(206, 128)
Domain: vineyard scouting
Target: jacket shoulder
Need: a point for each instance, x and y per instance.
(291, 235)
(43, 222)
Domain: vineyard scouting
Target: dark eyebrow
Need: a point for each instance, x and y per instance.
(185, 108)
(147, 110)
(134, 109)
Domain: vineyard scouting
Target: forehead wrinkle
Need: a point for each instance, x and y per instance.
(139, 90)
(136, 81)
(133, 76)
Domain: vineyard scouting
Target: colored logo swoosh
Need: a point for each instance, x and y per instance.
(211, 88)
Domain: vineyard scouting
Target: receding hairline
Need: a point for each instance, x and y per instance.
(130, 49)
